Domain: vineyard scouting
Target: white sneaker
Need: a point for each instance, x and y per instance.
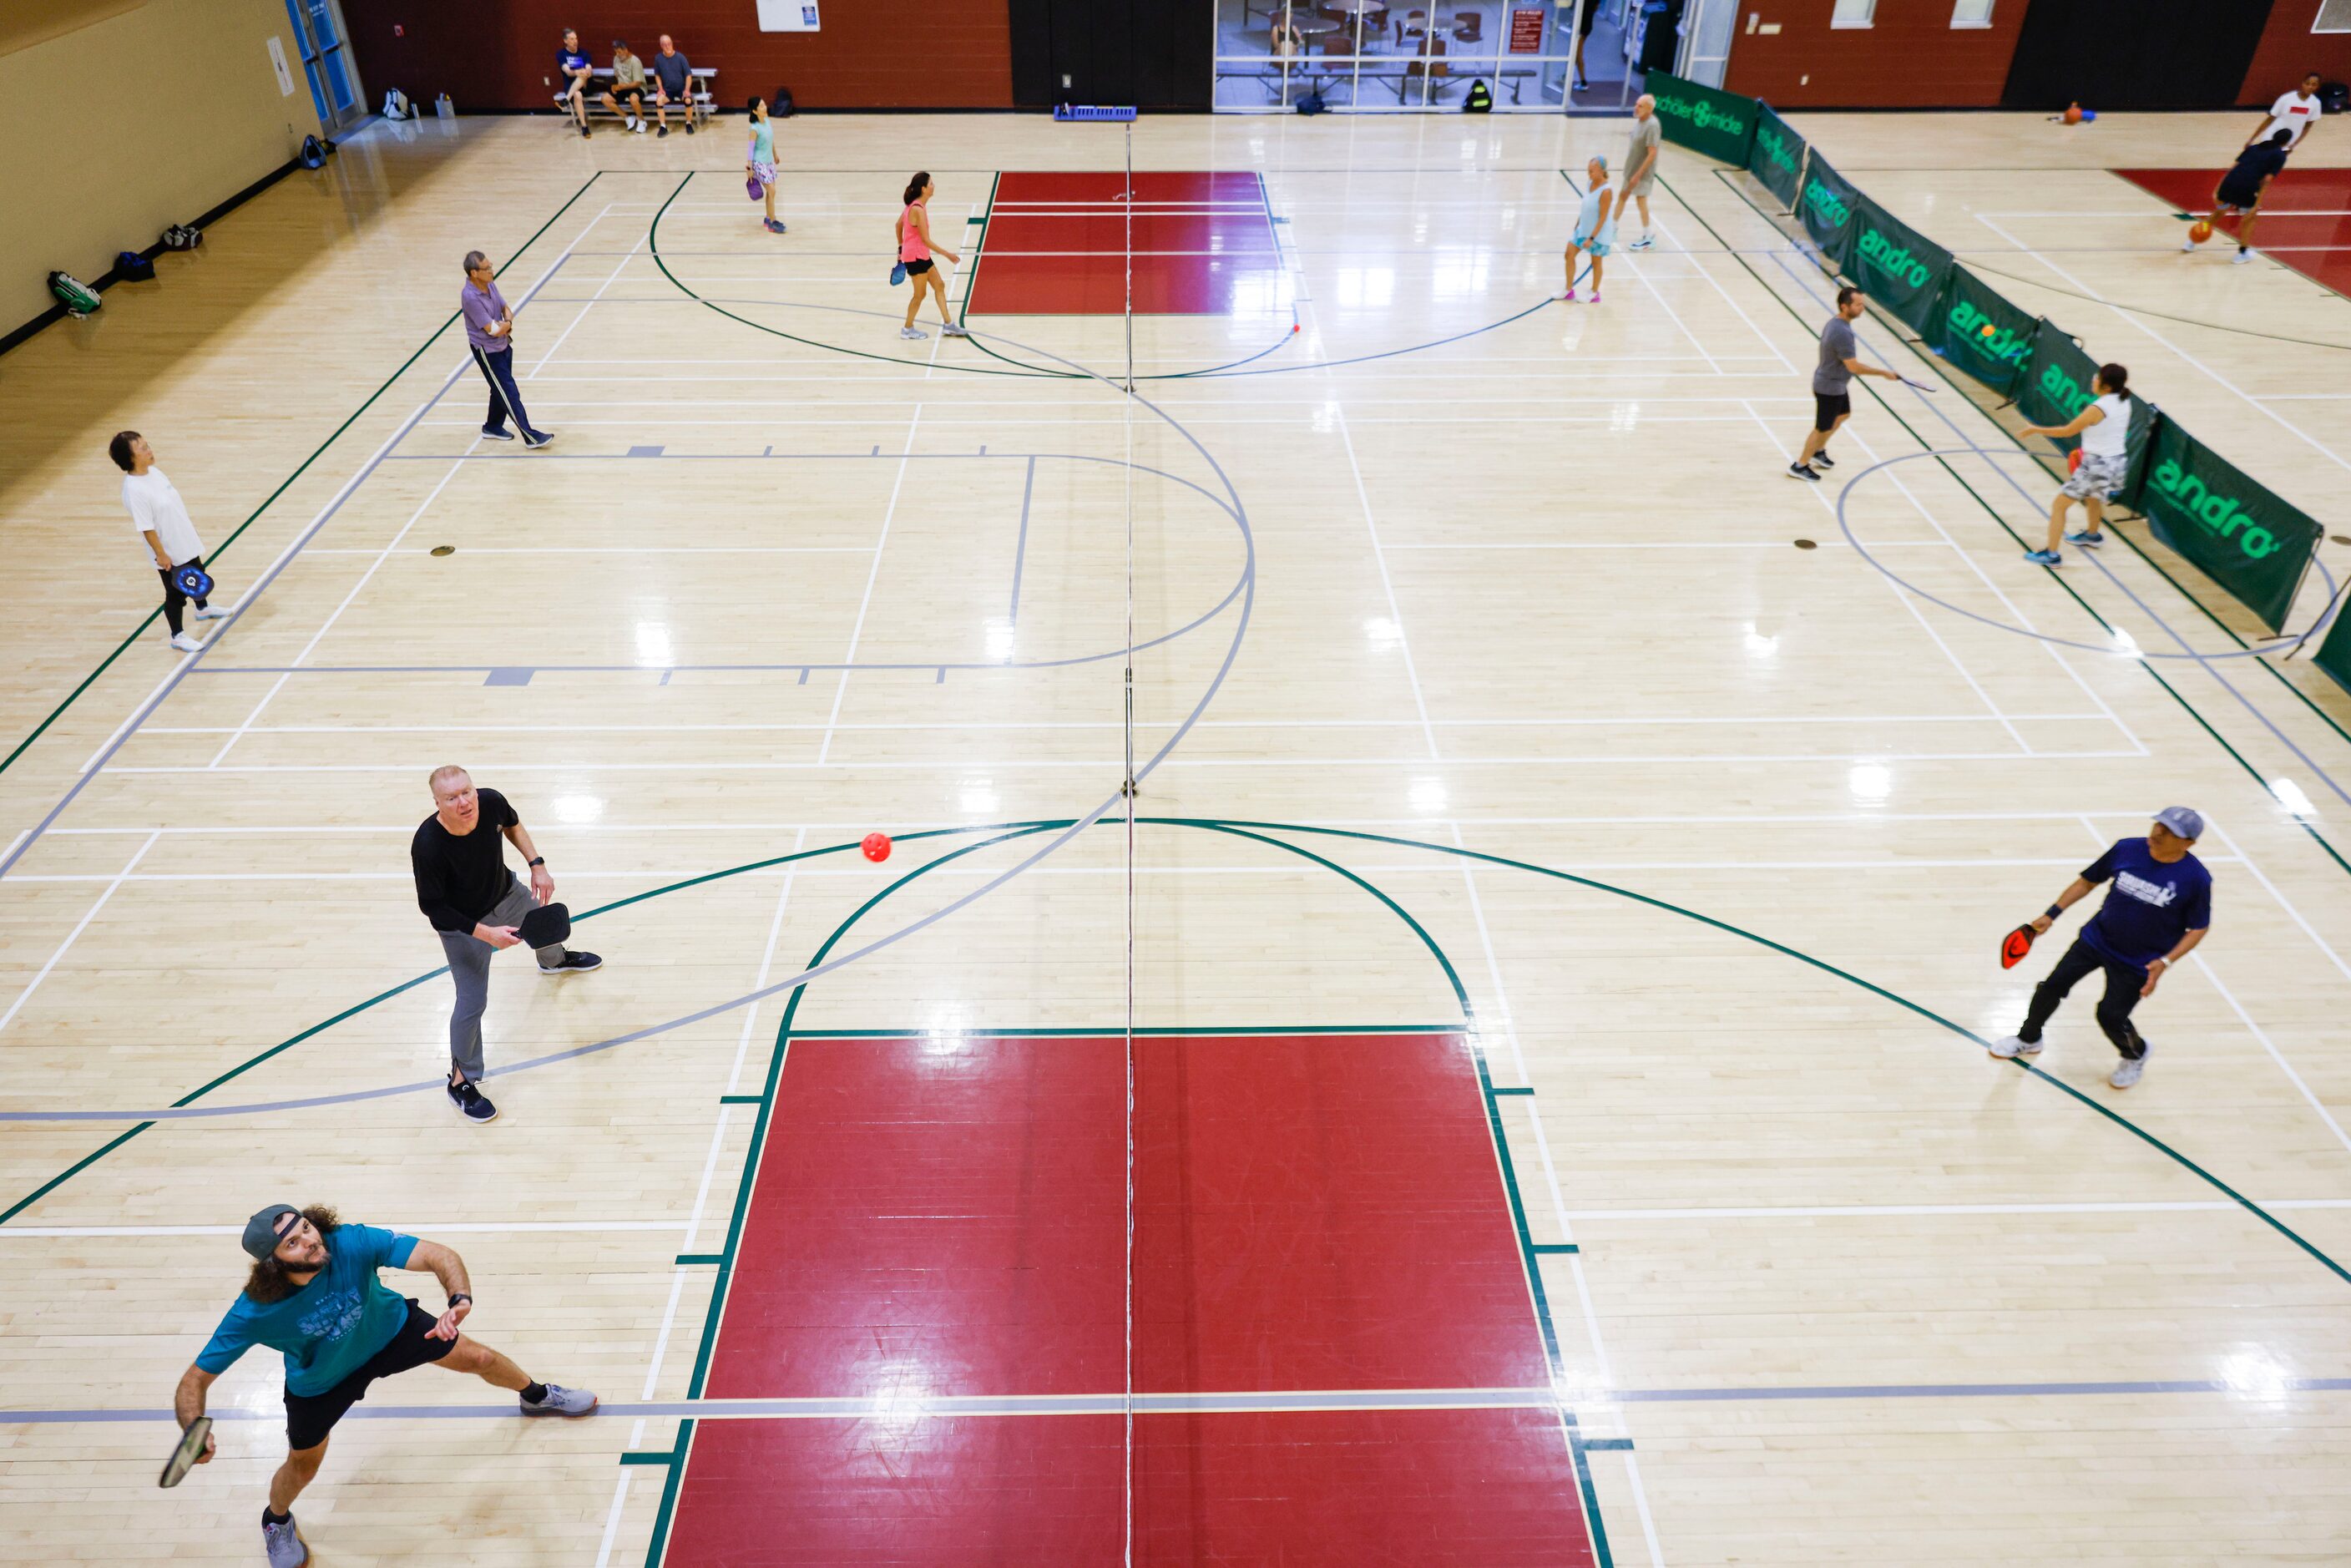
(216, 612)
(2127, 1070)
(185, 643)
(2014, 1045)
(2188, 245)
(913, 334)
(638, 126)
(2241, 257)
(1646, 242)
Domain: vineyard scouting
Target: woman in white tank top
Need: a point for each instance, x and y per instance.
(2102, 465)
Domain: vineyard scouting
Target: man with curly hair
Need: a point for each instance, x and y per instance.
(313, 1294)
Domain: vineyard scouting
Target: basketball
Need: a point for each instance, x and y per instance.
(2200, 230)
(2073, 115)
(876, 847)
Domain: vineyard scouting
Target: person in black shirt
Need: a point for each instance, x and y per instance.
(464, 887)
(2242, 188)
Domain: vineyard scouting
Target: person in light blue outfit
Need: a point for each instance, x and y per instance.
(313, 1295)
(1596, 227)
(760, 162)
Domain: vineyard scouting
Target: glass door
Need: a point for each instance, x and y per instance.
(321, 38)
(1369, 57)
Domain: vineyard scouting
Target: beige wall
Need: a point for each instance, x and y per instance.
(153, 117)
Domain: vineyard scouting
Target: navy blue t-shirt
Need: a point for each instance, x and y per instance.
(2256, 163)
(569, 61)
(2151, 906)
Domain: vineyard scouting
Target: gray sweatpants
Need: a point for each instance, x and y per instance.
(469, 966)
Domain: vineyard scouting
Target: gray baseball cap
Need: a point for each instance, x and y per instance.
(262, 1232)
(2183, 821)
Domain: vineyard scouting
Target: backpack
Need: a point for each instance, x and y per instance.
(183, 236)
(314, 156)
(2333, 97)
(395, 104)
(1311, 103)
(1479, 99)
(78, 298)
(780, 106)
(130, 266)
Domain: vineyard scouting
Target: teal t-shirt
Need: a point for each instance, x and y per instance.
(330, 1326)
(763, 142)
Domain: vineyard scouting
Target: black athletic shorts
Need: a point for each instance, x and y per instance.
(2242, 197)
(310, 1416)
(917, 268)
(1827, 407)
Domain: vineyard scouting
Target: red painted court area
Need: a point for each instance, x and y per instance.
(1315, 1216)
(1059, 244)
(2305, 221)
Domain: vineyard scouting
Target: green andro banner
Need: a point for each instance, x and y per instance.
(1968, 305)
(2333, 656)
(1826, 206)
(1704, 118)
(1777, 156)
(2252, 543)
(1896, 265)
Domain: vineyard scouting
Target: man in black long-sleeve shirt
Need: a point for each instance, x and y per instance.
(476, 903)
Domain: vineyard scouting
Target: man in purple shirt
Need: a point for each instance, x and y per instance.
(489, 331)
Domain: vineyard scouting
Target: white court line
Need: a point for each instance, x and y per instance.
(75, 934)
(1703, 271)
(1437, 759)
(865, 601)
(2293, 914)
(2133, 319)
(936, 726)
(1945, 1210)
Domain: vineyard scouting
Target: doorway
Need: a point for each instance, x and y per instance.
(323, 42)
(2134, 54)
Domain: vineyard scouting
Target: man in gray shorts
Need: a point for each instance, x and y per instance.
(464, 887)
(2104, 426)
(1641, 167)
(1831, 403)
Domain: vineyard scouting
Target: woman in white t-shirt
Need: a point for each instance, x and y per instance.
(2295, 111)
(162, 519)
(2104, 426)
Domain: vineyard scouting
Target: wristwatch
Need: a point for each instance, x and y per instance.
(537, 861)
(456, 1296)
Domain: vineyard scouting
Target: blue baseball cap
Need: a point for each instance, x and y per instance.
(2183, 821)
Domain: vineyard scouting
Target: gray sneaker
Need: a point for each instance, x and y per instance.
(2127, 1070)
(913, 334)
(283, 1544)
(561, 1401)
(952, 330)
(2014, 1045)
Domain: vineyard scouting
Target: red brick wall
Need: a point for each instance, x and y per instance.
(871, 54)
(2288, 48)
(1913, 58)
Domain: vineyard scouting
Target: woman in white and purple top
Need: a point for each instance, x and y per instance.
(489, 332)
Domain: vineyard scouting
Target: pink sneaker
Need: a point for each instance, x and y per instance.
(1568, 298)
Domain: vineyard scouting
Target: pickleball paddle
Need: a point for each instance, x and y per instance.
(2015, 946)
(184, 1455)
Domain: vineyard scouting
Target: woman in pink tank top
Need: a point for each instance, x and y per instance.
(914, 245)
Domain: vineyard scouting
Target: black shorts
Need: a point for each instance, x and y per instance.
(2241, 198)
(310, 1416)
(631, 89)
(1828, 408)
(917, 268)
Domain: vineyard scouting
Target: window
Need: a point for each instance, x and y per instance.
(1854, 14)
(2333, 16)
(1972, 12)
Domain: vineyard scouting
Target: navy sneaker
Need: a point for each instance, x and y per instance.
(1798, 471)
(497, 435)
(2087, 539)
(471, 1103)
(573, 964)
(1822, 460)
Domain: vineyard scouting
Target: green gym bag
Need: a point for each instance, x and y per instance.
(75, 295)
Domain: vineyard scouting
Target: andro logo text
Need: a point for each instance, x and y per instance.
(2064, 392)
(1823, 200)
(2218, 514)
(1893, 260)
(2004, 345)
(1775, 147)
(1705, 116)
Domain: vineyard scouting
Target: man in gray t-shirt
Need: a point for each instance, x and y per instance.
(1641, 167)
(1840, 362)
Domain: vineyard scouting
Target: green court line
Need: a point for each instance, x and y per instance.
(1556, 1248)
(1993, 513)
(139, 630)
(1576, 1447)
(1607, 1445)
(738, 1099)
(634, 1456)
(1521, 1090)
(686, 1258)
(1942, 368)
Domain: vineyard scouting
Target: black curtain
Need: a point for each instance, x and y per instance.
(2134, 54)
(1151, 54)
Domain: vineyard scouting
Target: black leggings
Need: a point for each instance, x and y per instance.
(2123, 983)
(172, 598)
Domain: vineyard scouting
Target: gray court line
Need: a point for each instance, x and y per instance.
(894, 1408)
(194, 661)
(1020, 551)
(1245, 587)
(2209, 663)
(2107, 650)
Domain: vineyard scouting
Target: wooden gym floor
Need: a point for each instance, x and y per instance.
(1509, 1088)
